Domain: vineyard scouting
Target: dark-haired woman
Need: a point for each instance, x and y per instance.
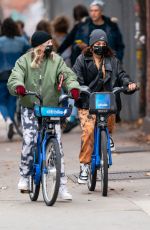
(61, 26)
(12, 46)
(99, 69)
(80, 14)
(44, 25)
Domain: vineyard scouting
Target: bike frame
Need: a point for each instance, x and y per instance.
(42, 138)
(101, 124)
(47, 118)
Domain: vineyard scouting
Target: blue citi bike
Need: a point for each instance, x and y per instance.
(102, 104)
(47, 157)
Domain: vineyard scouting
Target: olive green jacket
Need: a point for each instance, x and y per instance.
(49, 73)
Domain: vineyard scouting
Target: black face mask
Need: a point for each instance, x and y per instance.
(100, 50)
(48, 50)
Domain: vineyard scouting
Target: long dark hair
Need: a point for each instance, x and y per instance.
(44, 25)
(79, 12)
(10, 28)
(61, 24)
(88, 52)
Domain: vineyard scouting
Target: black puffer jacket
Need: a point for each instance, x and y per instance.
(89, 75)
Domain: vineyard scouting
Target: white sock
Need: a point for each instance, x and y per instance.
(8, 121)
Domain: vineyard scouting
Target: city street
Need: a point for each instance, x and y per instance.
(126, 207)
(106, 44)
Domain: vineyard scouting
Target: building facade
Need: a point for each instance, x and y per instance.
(147, 117)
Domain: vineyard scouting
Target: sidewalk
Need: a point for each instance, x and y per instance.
(126, 207)
(126, 138)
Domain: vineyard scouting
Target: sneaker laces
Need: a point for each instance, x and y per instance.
(63, 193)
(63, 188)
(84, 168)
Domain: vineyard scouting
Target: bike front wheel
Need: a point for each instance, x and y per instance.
(51, 178)
(92, 179)
(34, 189)
(104, 164)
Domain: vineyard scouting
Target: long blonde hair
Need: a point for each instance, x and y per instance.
(37, 56)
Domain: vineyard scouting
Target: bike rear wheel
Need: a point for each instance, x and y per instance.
(51, 178)
(92, 179)
(104, 164)
(34, 189)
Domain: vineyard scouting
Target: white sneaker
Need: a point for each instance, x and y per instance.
(63, 193)
(83, 176)
(112, 145)
(23, 184)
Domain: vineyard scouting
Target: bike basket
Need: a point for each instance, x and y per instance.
(51, 111)
(102, 103)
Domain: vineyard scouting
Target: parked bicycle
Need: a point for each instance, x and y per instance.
(47, 157)
(102, 104)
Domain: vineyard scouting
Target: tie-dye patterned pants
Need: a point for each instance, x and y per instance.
(30, 126)
(87, 122)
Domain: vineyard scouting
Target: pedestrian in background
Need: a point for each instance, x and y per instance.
(12, 46)
(21, 27)
(44, 25)
(60, 27)
(60, 30)
(80, 14)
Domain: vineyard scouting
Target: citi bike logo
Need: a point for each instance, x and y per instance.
(57, 112)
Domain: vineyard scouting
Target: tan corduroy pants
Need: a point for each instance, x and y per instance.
(87, 122)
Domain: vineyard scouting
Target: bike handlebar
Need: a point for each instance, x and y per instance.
(64, 97)
(119, 89)
(61, 99)
(34, 94)
(86, 90)
(83, 90)
(124, 89)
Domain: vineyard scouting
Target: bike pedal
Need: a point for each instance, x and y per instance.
(25, 191)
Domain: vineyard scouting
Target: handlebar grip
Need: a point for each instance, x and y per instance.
(136, 89)
(138, 86)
